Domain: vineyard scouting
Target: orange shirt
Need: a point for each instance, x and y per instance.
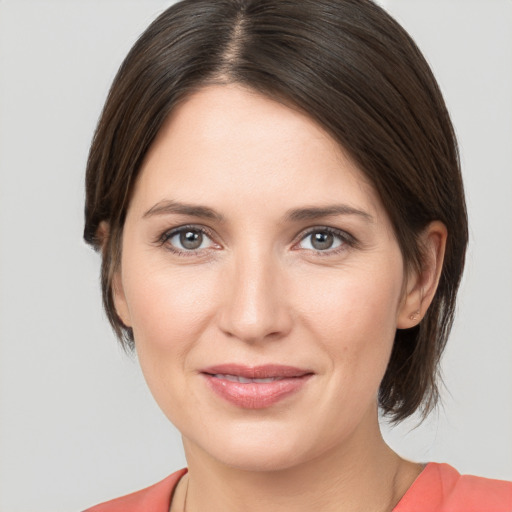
(439, 488)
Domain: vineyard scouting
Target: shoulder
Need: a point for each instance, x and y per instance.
(441, 488)
(156, 498)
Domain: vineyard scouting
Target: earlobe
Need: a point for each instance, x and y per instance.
(101, 236)
(422, 284)
(120, 299)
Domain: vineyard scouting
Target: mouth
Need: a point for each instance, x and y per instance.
(244, 380)
(255, 387)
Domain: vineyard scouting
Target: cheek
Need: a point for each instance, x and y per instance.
(169, 309)
(353, 317)
(353, 301)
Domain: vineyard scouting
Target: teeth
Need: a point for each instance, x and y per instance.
(243, 380)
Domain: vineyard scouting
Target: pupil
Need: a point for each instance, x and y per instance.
(191, 239)
(322, 240)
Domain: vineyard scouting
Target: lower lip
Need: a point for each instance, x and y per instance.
(253, 395)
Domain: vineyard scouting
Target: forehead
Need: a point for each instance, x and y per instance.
(227, 142)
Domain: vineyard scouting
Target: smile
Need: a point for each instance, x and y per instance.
(255, 387)
(244, 380)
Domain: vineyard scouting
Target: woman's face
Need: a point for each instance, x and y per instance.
(254, 249)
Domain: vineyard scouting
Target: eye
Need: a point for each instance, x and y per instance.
(187, 239)
(324, 239)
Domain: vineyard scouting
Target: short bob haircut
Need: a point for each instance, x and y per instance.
(354, 70)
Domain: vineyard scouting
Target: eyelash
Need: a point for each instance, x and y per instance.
(167, 235)
(347, 240)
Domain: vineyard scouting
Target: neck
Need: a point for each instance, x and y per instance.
(363, 474)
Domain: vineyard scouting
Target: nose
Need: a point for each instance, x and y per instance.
(255, 306)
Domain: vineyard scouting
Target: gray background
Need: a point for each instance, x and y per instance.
(77, 424)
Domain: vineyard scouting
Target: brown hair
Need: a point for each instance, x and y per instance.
(349, 66)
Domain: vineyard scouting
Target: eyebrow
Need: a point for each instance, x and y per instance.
(312, 213)
(169, 207)
(294, 215)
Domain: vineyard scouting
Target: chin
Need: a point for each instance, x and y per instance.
(257, 448)
(259, 459)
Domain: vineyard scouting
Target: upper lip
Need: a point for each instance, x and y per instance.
(257, 372)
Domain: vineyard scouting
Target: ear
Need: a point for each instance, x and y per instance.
(101, 236)
(421, 285)
(120, 304)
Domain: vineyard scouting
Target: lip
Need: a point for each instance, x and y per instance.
(255, 395)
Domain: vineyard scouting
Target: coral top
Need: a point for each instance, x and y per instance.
(439, 488)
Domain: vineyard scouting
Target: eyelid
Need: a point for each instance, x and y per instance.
(164, 237)
(348, 240)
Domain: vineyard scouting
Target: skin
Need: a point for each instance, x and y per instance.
(258, 291)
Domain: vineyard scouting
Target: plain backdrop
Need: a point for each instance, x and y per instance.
(77, 425)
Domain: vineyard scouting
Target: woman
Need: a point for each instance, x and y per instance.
(276, 193)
